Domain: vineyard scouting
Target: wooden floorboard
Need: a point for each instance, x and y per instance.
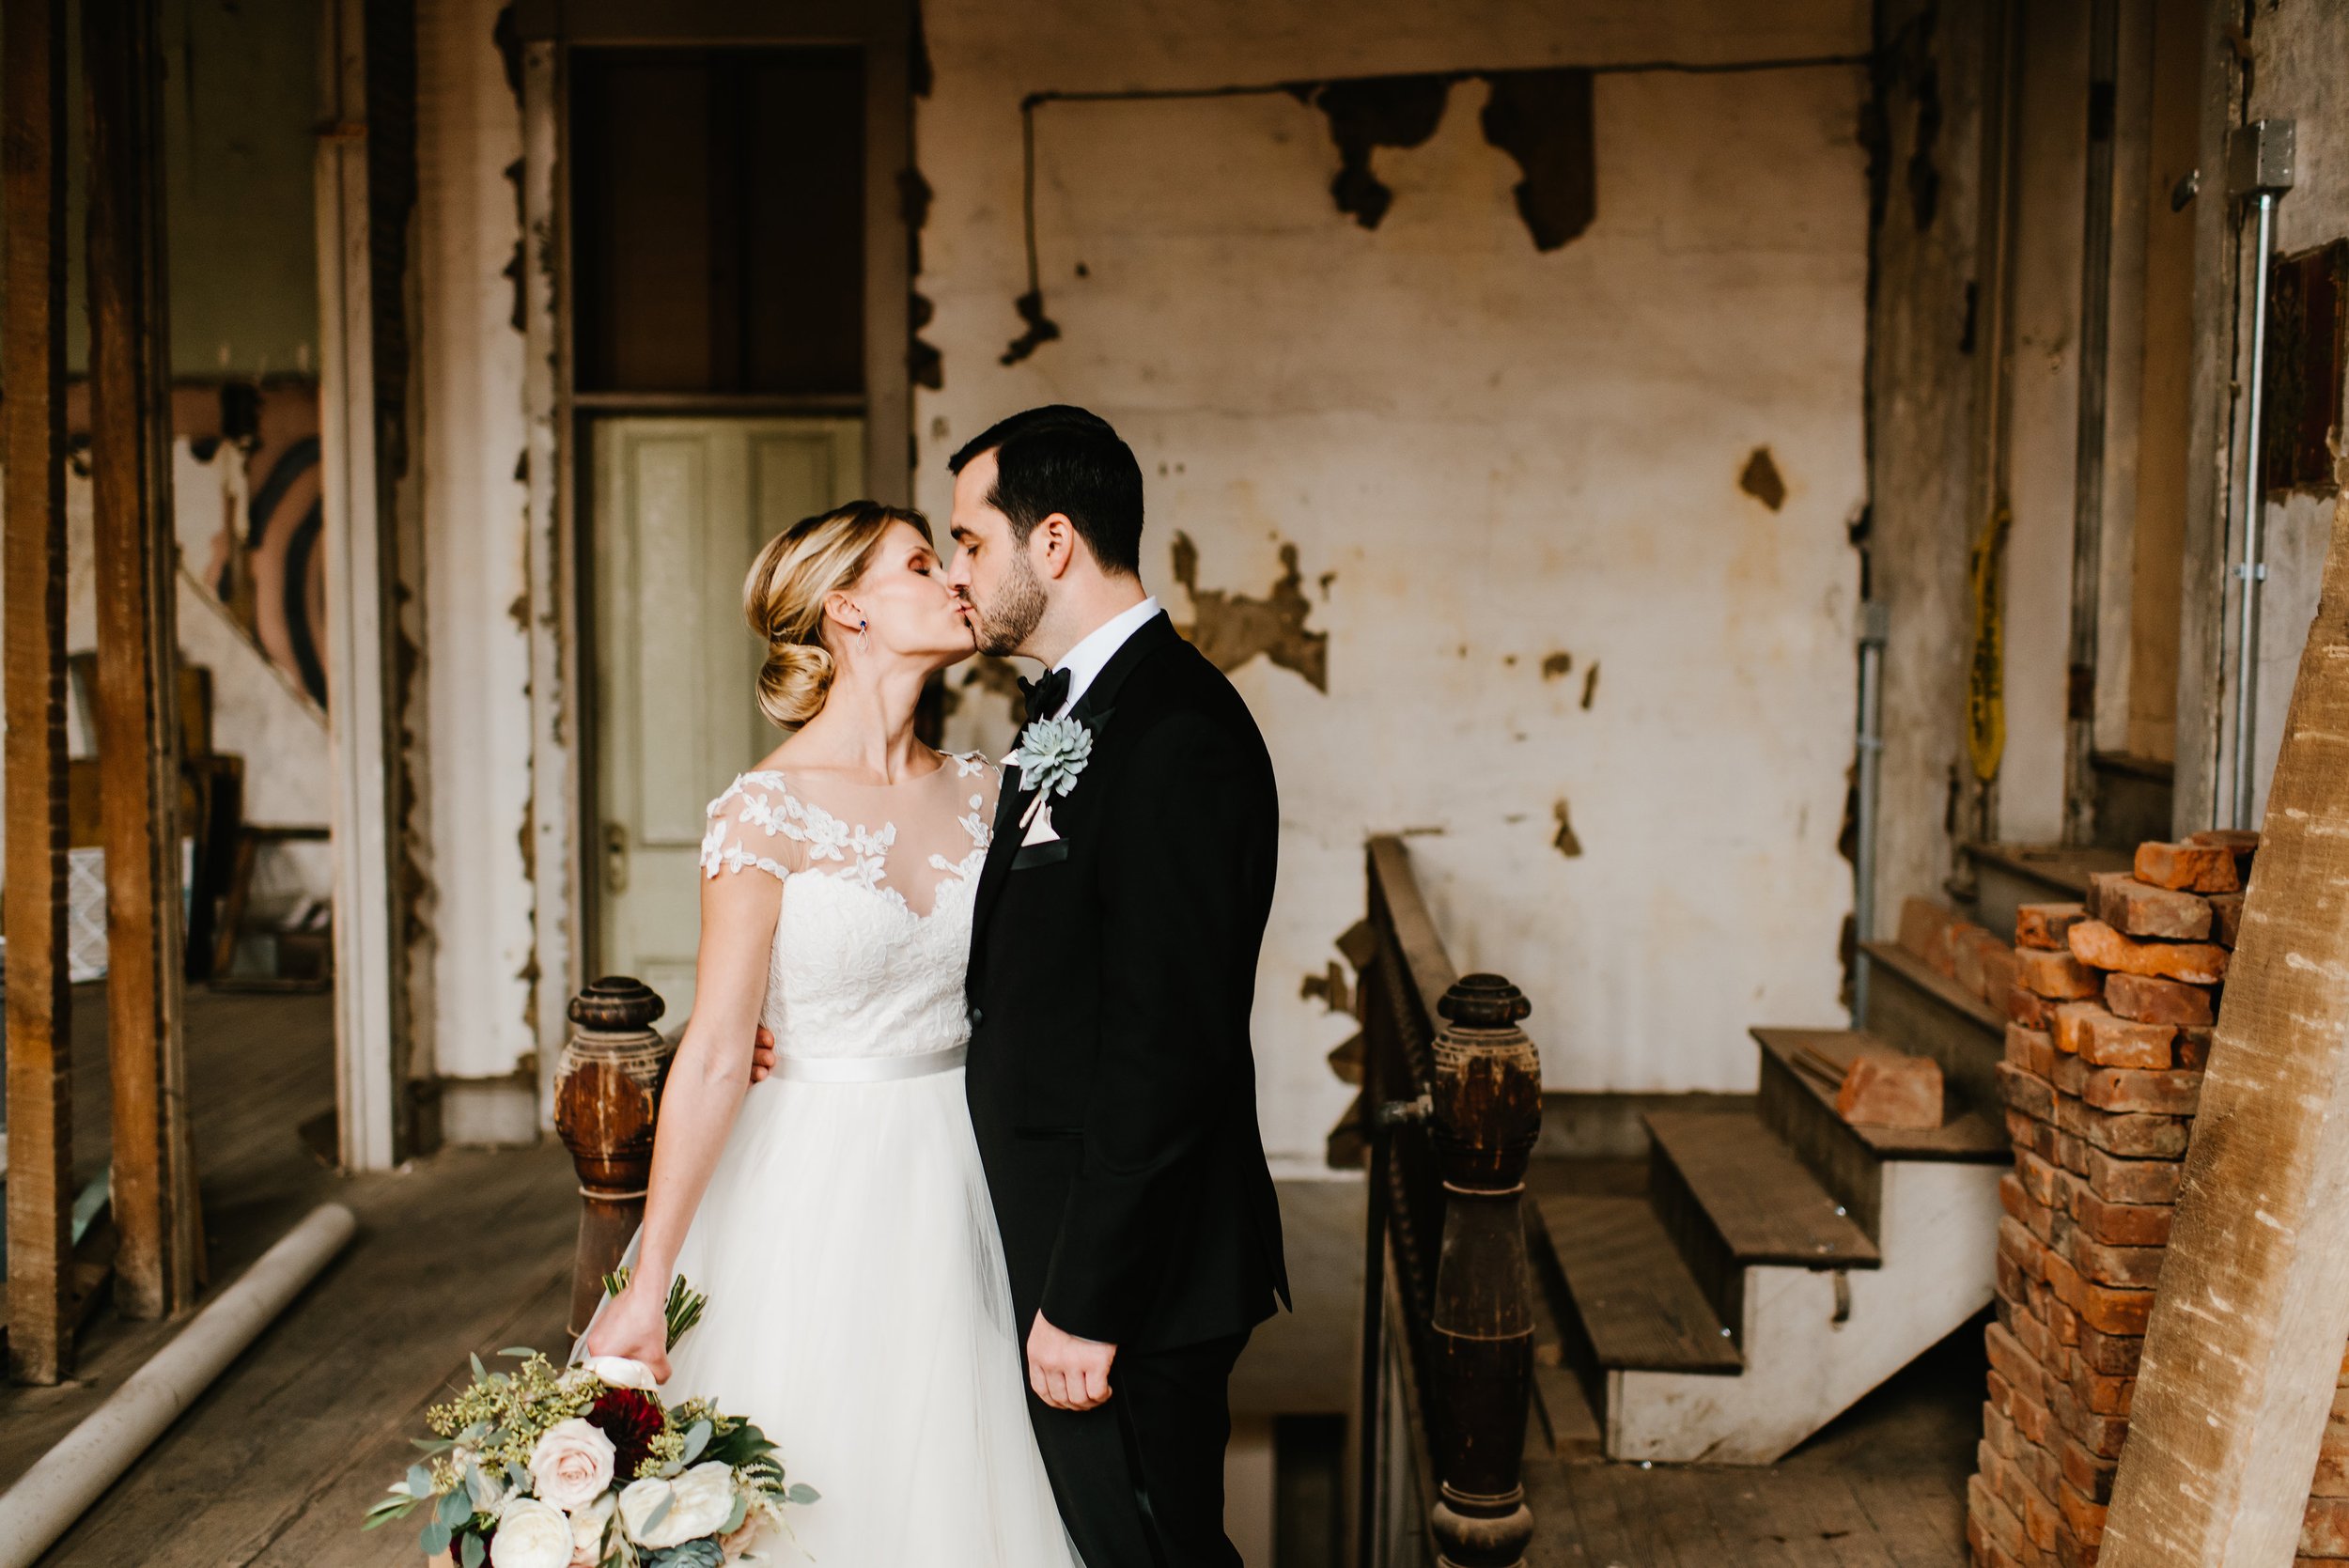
(1761, 1200)
(1638, 1303)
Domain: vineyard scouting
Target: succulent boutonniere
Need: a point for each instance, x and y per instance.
(1050, 754)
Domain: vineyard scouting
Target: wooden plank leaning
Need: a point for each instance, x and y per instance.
(138, 740)
(2245, 1342)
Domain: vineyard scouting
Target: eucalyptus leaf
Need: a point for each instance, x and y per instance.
(740, 1511)
(696, 1440)
(419, 1481)
(475, 1552)
(802, 1493)
(516, 1476)
(660, 1512)
(433, 1445)
(456, 1508)
(521, 1352)
(434, 1539)
(478, 1370)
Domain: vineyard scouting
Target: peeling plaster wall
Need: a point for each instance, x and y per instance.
(476, 655)
(1925, 362)
(1482, 457)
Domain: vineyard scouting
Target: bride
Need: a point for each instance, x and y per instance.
(835, 1213)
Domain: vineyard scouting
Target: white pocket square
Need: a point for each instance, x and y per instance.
(1040, 826)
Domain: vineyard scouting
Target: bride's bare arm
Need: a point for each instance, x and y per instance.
(705, 1091)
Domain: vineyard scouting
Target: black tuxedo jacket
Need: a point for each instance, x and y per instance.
(1110, 1081)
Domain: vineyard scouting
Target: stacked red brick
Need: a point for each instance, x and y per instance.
(1953, 947)
(2110, 1018)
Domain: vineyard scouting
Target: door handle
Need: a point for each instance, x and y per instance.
(615, 856)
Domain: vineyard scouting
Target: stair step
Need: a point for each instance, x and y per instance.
(1917, 1009)
(1800, 1108)
(1569, 1389)
(2008, 875)
(1755, 1194)
(1635, 1304)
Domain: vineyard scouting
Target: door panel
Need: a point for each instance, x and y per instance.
(681, 508)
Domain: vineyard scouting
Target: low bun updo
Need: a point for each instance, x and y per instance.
(783, 598)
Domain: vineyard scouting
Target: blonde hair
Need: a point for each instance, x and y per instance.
(784, 597)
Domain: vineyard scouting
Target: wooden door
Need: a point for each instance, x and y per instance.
(680, 507)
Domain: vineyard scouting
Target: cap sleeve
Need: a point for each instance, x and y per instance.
(754, 824)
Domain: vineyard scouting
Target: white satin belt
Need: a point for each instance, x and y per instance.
(869, 1069)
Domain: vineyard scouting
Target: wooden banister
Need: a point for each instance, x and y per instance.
(1452, 1098)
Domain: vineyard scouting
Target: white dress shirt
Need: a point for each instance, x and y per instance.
(1088, 657)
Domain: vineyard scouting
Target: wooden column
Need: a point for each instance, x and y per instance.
(139, 738)
(1488, 1099)
(2244, 1344)
(32, 369)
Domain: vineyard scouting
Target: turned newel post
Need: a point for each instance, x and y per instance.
(1487, 1109)
(606, 1096)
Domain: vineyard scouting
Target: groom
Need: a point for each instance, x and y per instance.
(1113, 969)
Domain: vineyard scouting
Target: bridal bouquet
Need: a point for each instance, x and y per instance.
(586, 1467)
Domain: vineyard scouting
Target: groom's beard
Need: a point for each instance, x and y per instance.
(1004, 623)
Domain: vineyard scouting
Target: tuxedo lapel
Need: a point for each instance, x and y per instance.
(1092, 709)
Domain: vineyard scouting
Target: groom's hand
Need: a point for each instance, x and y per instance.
(1067, 1372)
(762, 1055)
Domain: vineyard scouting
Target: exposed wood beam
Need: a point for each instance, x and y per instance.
(138, 740)
(2245, 1343)
(32, 427)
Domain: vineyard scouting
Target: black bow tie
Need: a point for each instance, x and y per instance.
(1044, 697)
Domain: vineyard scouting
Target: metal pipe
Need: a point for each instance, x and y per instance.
(1873, 624)
(2250, 571)
(2259, 168)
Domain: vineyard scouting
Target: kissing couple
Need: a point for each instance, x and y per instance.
(960, 1140)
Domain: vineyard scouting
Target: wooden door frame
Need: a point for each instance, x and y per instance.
(563, 737)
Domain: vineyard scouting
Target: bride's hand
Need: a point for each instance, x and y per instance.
(636, 1326)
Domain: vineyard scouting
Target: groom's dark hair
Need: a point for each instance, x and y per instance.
(1063, 458)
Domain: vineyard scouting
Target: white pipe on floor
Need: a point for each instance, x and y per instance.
(63, 1482)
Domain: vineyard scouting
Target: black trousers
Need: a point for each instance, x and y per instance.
(1140, 1479)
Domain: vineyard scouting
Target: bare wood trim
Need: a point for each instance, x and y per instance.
(826, 404)
(138, 733)
(2244, 1346)
(704, 22)
(39, 1007)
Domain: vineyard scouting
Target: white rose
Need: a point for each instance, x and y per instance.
(587, 1526)
(699, 1502)
(531, 1534)
(621, 1372)
(572, 1465)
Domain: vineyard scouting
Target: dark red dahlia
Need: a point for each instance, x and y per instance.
(631, 1419)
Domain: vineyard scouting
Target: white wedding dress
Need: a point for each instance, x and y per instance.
(858, 1311)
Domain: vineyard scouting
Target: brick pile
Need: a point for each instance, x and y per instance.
(2109, 1023)
(1971, 957)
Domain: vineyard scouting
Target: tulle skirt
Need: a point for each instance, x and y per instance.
(859, 1314)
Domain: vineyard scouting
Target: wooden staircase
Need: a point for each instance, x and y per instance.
(1782, 1263)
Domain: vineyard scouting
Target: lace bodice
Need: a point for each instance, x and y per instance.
(874, 928)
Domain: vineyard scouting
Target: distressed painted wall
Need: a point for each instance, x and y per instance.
(1926, 366)
(476, 656)
(1609, 689)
